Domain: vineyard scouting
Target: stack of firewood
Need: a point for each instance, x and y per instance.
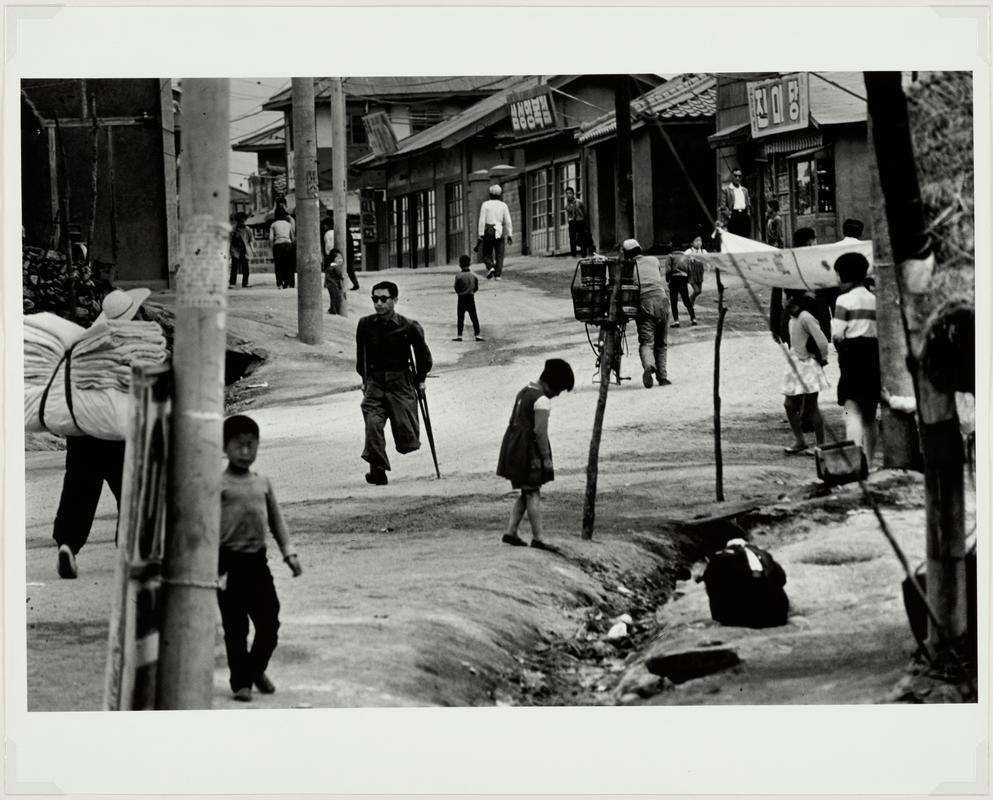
(46, 286)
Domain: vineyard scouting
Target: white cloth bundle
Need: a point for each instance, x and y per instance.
(99, 373)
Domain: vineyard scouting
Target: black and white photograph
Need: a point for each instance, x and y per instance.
(645, 396)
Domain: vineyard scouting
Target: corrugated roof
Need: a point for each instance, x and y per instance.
(266, 139)
(495, 104)
(413, 86)
(832, 104)
(686, 96)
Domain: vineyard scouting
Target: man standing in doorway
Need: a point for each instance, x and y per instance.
(495, 229)
(735, 205)
(575, 214)
(390, 386)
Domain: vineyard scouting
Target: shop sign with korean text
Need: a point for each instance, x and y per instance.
(532, 111)
(779, 104)
(379, 131)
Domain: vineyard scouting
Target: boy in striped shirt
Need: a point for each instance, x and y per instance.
(853, 331)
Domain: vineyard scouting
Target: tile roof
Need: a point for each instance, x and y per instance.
(266, 139)
(398, 86)
(456, 125)
(689, 96)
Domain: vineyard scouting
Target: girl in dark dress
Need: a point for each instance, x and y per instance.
(526, 454)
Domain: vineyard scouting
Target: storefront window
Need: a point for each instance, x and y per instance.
(813, 185)
(568, 177)
(431, 218)
(541, 214)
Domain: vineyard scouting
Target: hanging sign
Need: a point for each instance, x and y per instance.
(380, 133)
(532, 111)
(778, 104)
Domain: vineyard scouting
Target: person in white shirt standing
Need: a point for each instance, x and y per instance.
(495, 230)
(735, 206)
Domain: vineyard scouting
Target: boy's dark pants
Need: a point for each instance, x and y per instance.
(239, 264)
(250, 594)
(467, 303)
(89, 462)
(678, 290)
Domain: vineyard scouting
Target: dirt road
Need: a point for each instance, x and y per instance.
(408, 597)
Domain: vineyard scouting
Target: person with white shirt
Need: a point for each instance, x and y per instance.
(495, 230)
(734, 210)
(854, 332)
(851, 230)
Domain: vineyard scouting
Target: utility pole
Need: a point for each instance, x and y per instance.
(898, 435)
(937, 414)
(189, 571)
(622, 107)
(339, 175)
(310, 320)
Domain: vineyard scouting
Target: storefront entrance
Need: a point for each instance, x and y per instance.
(413, 229)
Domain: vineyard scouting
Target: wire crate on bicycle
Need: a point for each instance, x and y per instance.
(592, 288)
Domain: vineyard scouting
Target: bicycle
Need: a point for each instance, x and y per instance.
(619, 353)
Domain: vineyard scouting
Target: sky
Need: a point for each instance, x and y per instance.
(247, 117)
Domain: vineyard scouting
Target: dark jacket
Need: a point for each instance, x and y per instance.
(386, 345)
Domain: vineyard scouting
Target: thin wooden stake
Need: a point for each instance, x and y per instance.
(718, 448)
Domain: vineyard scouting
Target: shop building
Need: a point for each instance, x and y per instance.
(669, 152)
(800, 138)
(425, 196)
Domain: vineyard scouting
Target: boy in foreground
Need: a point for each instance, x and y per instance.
(248, 508)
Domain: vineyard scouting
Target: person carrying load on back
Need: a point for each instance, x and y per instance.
(652, 317)
(495, 230)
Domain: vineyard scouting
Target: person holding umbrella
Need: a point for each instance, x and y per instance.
(391, 390)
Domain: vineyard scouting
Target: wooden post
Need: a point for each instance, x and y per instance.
(94, 174)
(186, 662)
(606, 363)
(718, 449)
(940, 436)
(64, 213)
(339, 176)
(898, 434)
(625, 184)
(310, 319)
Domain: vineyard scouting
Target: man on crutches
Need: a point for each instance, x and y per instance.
(391, 389)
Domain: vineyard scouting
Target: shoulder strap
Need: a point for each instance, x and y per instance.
(48, 387)
(68, 360)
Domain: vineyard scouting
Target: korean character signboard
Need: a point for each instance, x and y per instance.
(532, 111)
(778, 104)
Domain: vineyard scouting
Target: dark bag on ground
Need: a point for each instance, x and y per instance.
(745, 587)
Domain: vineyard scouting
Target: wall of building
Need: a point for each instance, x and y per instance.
(851, 166)
(676, 213)
(131, 197)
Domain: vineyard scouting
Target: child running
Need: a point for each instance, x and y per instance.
(526, 454)
(466, 286)
(853, 330)
(804, 377)
(248, 508)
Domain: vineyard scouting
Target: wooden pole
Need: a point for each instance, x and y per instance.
(898, 432)
(937, 414)
(64, 213)
(94, 174)
(718, 450)
(339, 176)
(606, 363)
(310, 319)
(625, 183)
(186, 661)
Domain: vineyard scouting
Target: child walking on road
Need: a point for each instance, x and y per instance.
(526, 454)
(248, 508)
(804, 377)
(466, 286)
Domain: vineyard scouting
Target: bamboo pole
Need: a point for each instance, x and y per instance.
(937, 414)
(190, 568)
(310, 320)
(339, 177)
(718, 449)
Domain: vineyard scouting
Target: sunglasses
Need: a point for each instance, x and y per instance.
(381, 298)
